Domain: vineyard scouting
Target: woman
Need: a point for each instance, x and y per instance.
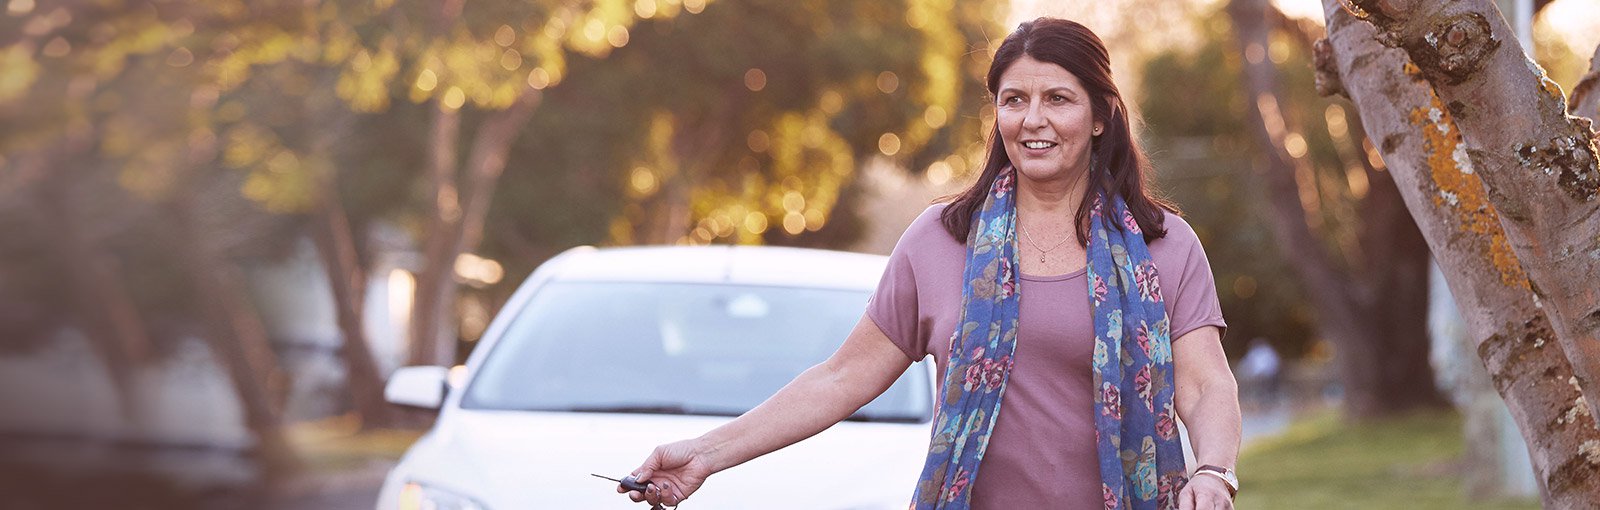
(1120, 329)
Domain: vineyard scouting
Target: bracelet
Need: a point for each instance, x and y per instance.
(1232, 492)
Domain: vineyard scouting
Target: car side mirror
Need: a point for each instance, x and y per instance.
(422, 387)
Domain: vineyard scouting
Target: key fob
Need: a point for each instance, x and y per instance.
(629, 483)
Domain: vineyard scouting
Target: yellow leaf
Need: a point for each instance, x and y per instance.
(18, 70)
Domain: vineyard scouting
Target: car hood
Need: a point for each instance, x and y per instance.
(544, 460)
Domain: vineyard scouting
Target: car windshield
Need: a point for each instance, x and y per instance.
(675, 348)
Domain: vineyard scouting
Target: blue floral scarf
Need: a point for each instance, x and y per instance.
(1141, 461)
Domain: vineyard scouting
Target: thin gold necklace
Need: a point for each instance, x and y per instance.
(1035, 244)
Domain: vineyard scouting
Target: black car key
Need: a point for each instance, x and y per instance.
(629, 483)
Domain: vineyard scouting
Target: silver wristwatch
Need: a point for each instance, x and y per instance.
(1227, 475)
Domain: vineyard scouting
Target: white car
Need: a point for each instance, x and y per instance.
(603, 354)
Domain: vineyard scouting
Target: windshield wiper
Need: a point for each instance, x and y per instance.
(632, 408)
(650, 408)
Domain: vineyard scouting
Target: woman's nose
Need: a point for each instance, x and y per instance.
(1034, 118)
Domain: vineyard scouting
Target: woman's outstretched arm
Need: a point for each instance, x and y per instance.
(866, 365)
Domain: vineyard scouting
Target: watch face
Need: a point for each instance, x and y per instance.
(1227, 475)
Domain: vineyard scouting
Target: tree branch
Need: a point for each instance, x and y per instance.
(1585, 100)
(1539, 164)
(1418, 138)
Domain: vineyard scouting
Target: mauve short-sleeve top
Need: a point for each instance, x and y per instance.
(1042, 452)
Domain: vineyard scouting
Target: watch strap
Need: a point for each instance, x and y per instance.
(1221, 473)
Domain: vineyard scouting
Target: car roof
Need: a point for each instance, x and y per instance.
(741, 265)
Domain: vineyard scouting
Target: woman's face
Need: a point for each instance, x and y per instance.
(1045, 120)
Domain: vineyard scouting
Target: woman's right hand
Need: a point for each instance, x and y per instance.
(674, 471)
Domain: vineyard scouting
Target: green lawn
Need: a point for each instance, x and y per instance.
(1409, 463)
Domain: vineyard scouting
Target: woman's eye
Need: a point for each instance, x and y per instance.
(1058, 99)
(1011, 100)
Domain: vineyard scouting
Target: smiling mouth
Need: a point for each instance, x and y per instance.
(1038, 144)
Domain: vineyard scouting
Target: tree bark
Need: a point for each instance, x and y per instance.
(458, 219)
(1372, 309)
(1538, 164)
(1513, 337)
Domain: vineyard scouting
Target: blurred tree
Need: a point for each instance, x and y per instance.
(339, 61)
(1449, 129)
(53, 205)
(166, 153)
(43, 182)
(485, 63)
(658, 142)
(294, 158)
(1371, 290)
(303, 99)
(1201, 146)
(1307, 237)
(112, 82)
(748, 122)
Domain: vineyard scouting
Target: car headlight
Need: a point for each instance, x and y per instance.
(416, 496)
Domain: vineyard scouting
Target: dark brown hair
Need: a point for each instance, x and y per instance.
(1116, 163)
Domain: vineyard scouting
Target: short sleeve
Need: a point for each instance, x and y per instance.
(1193, 303)
(894, 305)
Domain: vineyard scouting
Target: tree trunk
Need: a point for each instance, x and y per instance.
(99, 292)
(457, 224)
(349, 283)
(347, 278)
(435, 282)
(237, 338)
(1537, 163)
(236, 335)
(1445, 196)
(1396, 270)
(1374, 309)
(487, 161)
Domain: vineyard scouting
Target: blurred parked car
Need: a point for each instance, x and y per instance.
(603, 354)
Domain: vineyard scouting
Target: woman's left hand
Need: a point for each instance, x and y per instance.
(1205, 492)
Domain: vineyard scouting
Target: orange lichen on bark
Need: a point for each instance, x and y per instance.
(1461, 190)
(1549, 86)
